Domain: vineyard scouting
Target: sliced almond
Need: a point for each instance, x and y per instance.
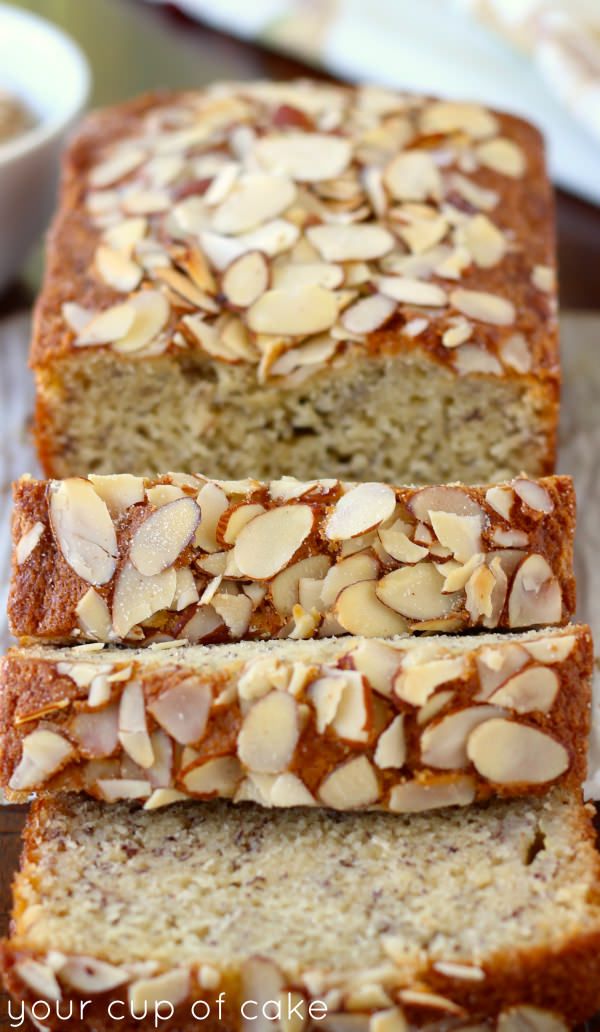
(501, 499)
(510, 538)
(133, 731)
(413, 176)
(353, 785)
(360, 611)
(544, 278)
(351, 243)
(38, 977)
(151, 311)
(217, 777)
(288, 790)
(535, 595)
(390, 1020)
(495, 664)
(108, 326)
(416, 682)
(77, 317)
(486, 244)
(113, 789)
(270, 541)
(351, 718)
(93, 615)
(534, 495)
(285, 588)
(415, 592)
(418, 796)
(533, 690)
(163, 536)
(269, 734)
(391, 746)
(461, 534)
(368, 314)
(183, 710)
(271, 238)
(83, 528)
(516, 353)
(91, 975)
(255, 198)
(203, 624)
(246, 279)
(136, 598)
(442, 499)
(28, 542)
(116, 167)
(171, 987)
(551, 650)
(459, 332)
(125, 235)
(119, 490)
(326, 694)
(116, 270)
(164, 797)
(306, 157)
(502, 155)
(44, 753)
(434, 705)
(412, 291)
(235, 611)
(450, 116)
(471, 358)
(213, 503)
(97, 734)
(506, 753)
(444, 744)
(162, 494)
(529, 1019)
(299, 312)
(479, 591)
(359, 510)
(399, 546)
(235, 519)
(483, 306)
(378, 663)
(305, 274)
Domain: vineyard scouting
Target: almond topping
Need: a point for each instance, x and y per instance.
(269, 734)
(534, 495)
(113, 789)
(360, 611)
(171, 987)
(484, 241)
(503, 156)
(119, 490)
(83, 528)
(417, 681)
(137, 598)
(551, 650)
(246, 279)
(133, 731)
(299, 312)
(501, 500)
(306, 157)
(359, 510)
(450, 116)
(412, 291)
(306, 274)
(28, 542)
(533, 690)
(508, 753)
(288, 790)
(535, 596)
(516, 354)
(108, 326)
(116, 167)
(254, 199)
(183, 710)
(444, 744)
(413, 176)
(360, 567)
(391, 1020)
(151, 311)
(270, 541)
(219, 777)
(398, 545)
(93, 615)
(213, 503)
(544, 278)
(351, 243)
(90, 975)
(352, 786)
(378, 663)
(117, 270)
(481, 305)
(44, 754)
(163, 536)
(442, 499)
(496, 664)
(285, 588)
(532, 1019)
(97, 733)
(391, 745)
(461, 534)
(235, 519)
(418, 796)
(415, 592)
(39, 977)
(368, 314)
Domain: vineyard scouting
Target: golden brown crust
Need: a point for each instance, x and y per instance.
(39, 691)
(45, 589)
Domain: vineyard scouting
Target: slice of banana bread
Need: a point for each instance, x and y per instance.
(487, 918)
(299, 277)
(124, 559)
(404, 724)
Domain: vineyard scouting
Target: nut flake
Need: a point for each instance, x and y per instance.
(83, 529)
(502, 155)
(391, 745)
(535, 596)
(150, 313)
(246, 279)
(183, 710)
(306, 157)
(28, 542)
(44, 753)
(412, 291)
(271, 540)
(368, 314)
(358, 242)
(415, 592)
(136, 598)
(219, 777)
(353, 785)
(269, 734)
(444, 744)
(413, 176)
(359, 510)
(509, 753)
(535, 689)
(360, 611)
(163, 536)
(116, 270)
(256, 198)
(483, 306)
(299, 312)
(418, 796)
(449, 116)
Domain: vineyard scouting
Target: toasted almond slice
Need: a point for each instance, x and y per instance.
(360, 611)
(299, 312)
(353, 785)
(133, 731)
(551, 650)
(235, 519)
(204, 623)
(246, 279)
(501, 499)
(164, 797)
(163, 536)
(378, 663)
(287, 488)
(28, 542)
(510, 538)
(213, 503)
(116, 167)
(517, 1019)
(417, 682)
(119, 490)
(359, 567)
(429, 1000)
(269, 734)
(113, 789)
(413, 176)
(145, 202)
(136, 598)
(77, 317)
(481, 305)
(108, 326)
(507, 753)
(412, 291)
(216, 777)
(288, 790)
(151, 313)
(39, 977)
(285, 588)
(461, 534)
(97, 734)
(516, 353)
(433, 706)
(351, 718)
(271, 238)
(117, 270)
(415, 592)
(502, 155)
(486, 244)
(326, 695)
(270, 541)
(444, 744)
(399, 546)
(534, 495)
(544, 278)
(306, 157)
(535, 689)
(125, 235)
(535, 596)
(182, 287)
(306, 274)
(359, 510)
(83, 529)
(474, 194)
(235, 611)
(94, 615)
(418, 796)
(222, 183)
(354, 242)
(471, 358)
(91, 975)
(457, 334)
(450, 116)
(162, 494)
(369, 314)
(183, 710)
(442, 499)
(255, 198)
(171, 987)
(44, 753)
(391, 745)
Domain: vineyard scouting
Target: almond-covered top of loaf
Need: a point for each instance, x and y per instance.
(129, 558)
(287, 225)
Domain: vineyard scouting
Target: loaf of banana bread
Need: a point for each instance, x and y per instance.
(299, 277)
(488, 918)
(405, 724)
(126, 559)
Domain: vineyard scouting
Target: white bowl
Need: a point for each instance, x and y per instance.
(42, 66)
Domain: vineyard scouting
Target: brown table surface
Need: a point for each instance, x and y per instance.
(133, 47)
